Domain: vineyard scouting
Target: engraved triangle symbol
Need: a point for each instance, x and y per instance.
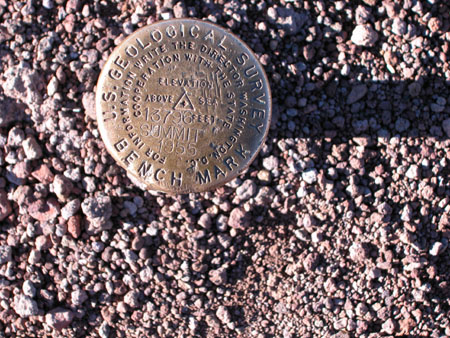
(184, 103)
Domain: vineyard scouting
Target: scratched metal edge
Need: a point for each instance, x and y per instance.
(199, 189)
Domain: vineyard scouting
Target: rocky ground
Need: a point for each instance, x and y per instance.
(339, 228)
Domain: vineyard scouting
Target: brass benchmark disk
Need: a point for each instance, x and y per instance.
(183, 105)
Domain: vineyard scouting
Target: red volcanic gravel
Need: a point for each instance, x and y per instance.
(339, 228)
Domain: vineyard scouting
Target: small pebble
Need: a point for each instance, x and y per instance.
(28, 289)
(24, 306)
(364, 35)
(310, 176)
(31, 148)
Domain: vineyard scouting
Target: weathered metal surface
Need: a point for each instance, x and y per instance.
(183, 105)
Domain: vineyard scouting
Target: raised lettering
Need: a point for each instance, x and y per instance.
(159, 171)
(257, 127)
(203, 178)
(121, 145)
(258, 113)
(131, 157)
(229, 162)
(176, 179)
(115, 74)
(145, 169)
(218, 172)
(121, 62)
(241, 151)
(132, 51)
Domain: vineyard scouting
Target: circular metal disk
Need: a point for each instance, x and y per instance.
(183, 105)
